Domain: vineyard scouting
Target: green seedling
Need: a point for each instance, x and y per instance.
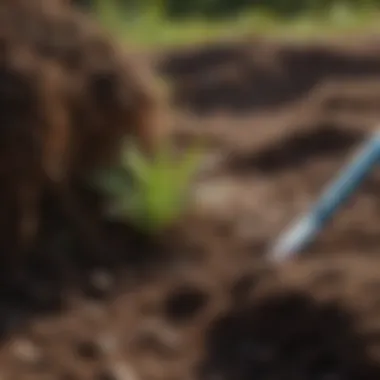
(151, 193)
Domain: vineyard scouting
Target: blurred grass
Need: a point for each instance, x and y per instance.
(151, 28)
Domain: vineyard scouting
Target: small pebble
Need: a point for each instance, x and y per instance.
(26, 351)
(157, 337)
(118, 371)
(100, 284)
(102, 280)
(108, 344)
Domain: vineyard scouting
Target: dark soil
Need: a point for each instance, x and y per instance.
(201, 302)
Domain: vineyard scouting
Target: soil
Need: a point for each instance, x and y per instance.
(279, 120)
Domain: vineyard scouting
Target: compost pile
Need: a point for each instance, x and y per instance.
(201, 302)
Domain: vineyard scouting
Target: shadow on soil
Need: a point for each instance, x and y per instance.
(293, 150)
(287, 337)
(62, 265)
(248, 76)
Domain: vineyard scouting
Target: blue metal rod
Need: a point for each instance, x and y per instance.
(307, 227)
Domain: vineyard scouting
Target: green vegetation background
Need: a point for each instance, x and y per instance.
(158, 22)
(175, 9)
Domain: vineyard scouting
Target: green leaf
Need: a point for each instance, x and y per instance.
(151, 193)
(133, 160)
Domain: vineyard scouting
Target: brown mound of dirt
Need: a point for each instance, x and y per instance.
(308, 320)
(68, 96)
